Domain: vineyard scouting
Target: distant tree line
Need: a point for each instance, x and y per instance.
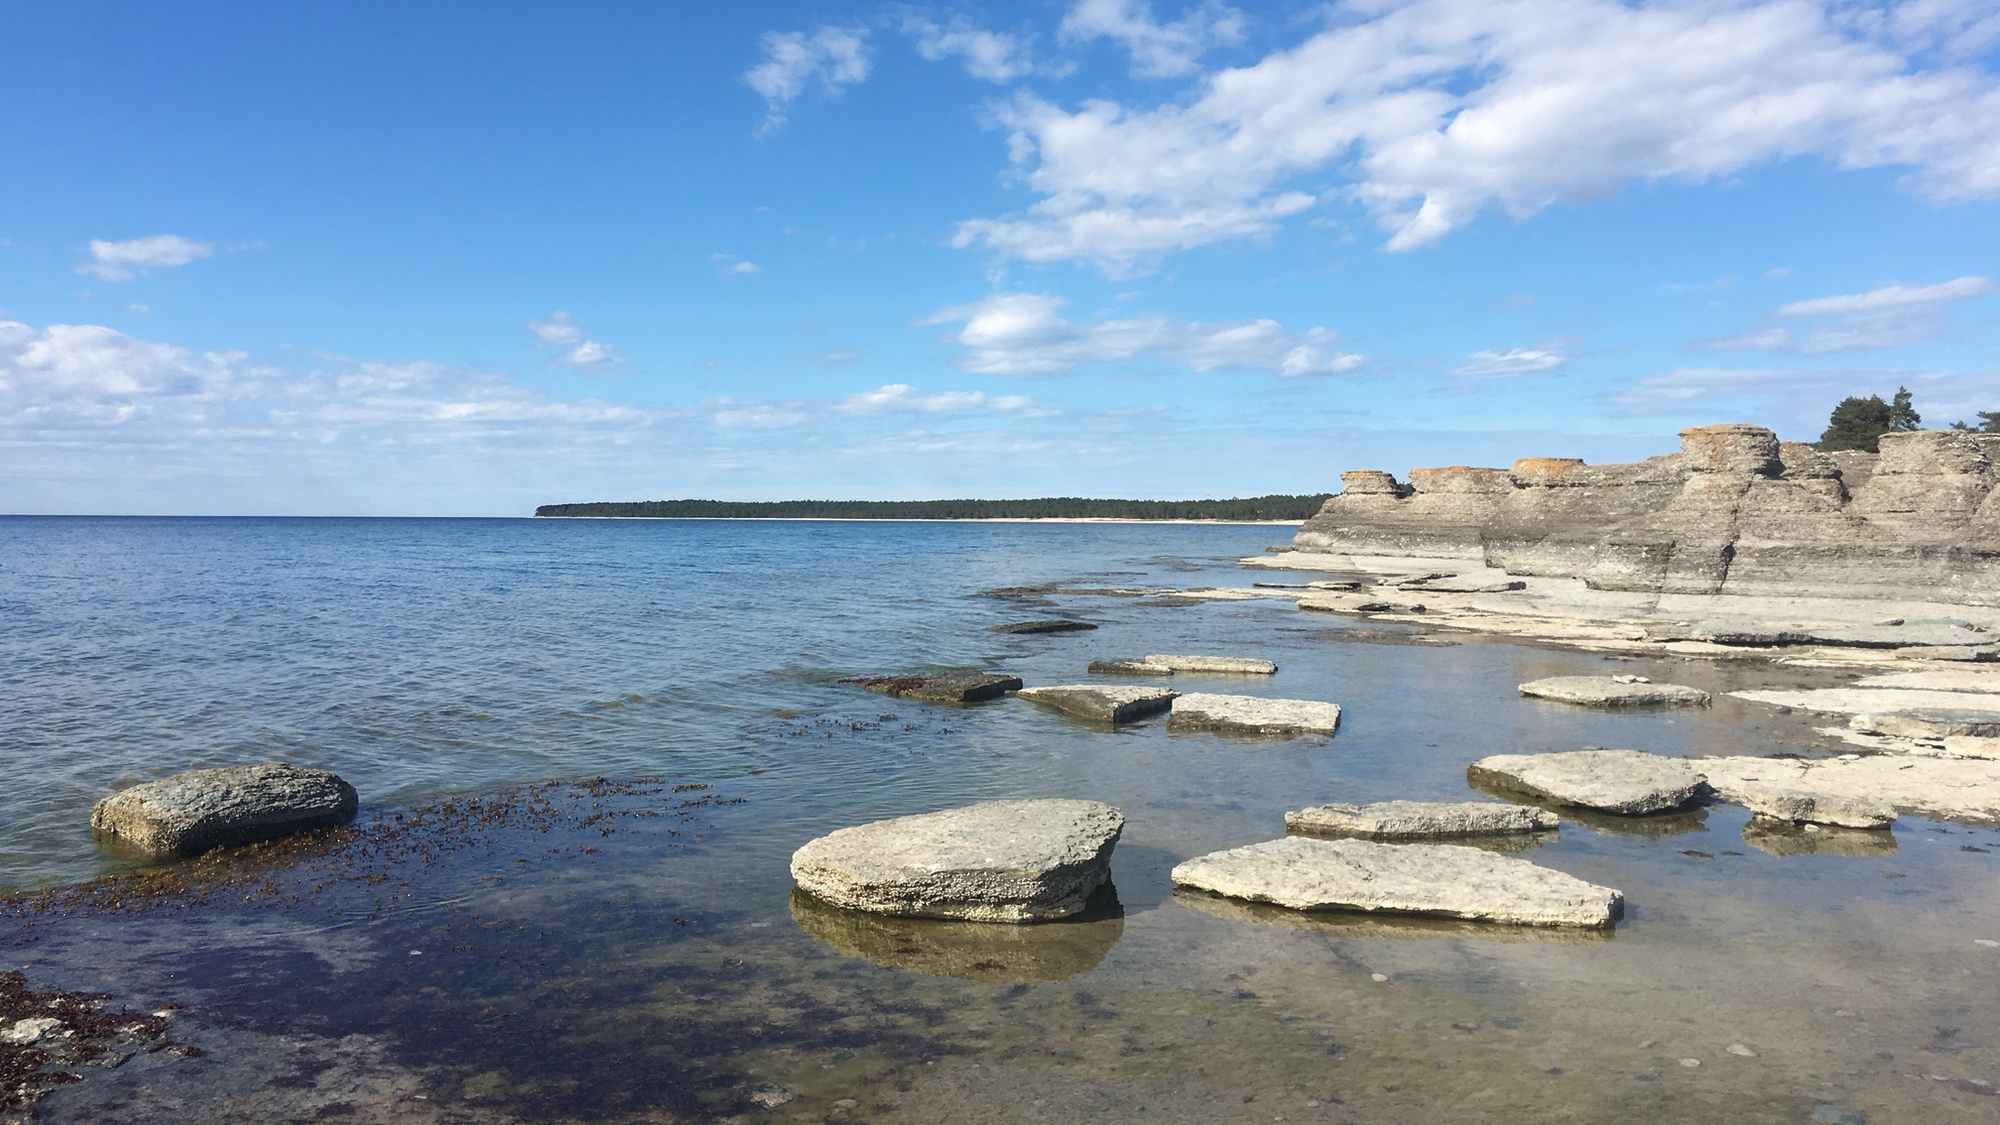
(1054, 507)
(1859, 423)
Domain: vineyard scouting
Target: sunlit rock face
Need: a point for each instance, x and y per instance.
(1736, 511)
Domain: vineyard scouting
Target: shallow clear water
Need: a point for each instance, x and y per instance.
(673, 976)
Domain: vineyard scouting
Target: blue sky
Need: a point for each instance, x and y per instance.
(371, 258)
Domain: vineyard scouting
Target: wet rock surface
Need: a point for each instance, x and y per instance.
(1625, 782)
(1302, 873)
(1420, 820)
(1051, 625)
(1101, 703)
(1250, 714)
(944, 687)
(997, 861)
(1965, 789)
(190, 813)
(1614, 692)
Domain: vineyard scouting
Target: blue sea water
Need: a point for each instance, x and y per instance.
(421, 658)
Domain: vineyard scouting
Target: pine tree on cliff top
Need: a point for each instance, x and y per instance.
(1859, 423)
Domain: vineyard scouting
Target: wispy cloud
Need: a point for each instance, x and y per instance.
(1889, 317)
(136, 257)
(1432, 112)
(994, 56)
(835, 56)
(565, 338)
(901, 398)
(1158, 50)
(1514, 361)
(1026, 334)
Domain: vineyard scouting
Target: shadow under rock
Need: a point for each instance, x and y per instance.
(993, 952)
(1362, 924)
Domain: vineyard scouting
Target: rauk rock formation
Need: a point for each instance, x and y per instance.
(1736, 511)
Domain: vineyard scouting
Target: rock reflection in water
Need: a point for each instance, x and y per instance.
(1362, 924)
(1783, 838)
(1505, 843)
(1651, 826)
(993, 952)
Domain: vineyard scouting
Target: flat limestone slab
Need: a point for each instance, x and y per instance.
(1801, 806)
(189, 813)
(1233, 665)
(1625, 782)
(1931, 722)
(947, 687)
(1420, 820)
(1438, 879)
(997, 861)
(1960, 789)
(1127, 668)
(1968, 747)
(1249, 714)
(1614, 691)
(1871, 701)
(1102, 703)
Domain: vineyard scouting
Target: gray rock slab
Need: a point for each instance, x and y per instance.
(1249, 714)
(1802, 806)
(1967, 746)
(1127, 668)
(947, 687)
(1420, 820)
(998, 861)
(1614, 691)
(189, 813)
(1930, 722)
(1234, 665)
(1626, 782)
(1302, 873)
(1102, 703)
(1052, 625)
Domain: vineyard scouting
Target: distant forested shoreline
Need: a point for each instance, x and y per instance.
(1055, 507)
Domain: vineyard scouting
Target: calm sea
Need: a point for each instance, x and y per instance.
(420, 658)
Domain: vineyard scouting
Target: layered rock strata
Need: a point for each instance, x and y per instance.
(189, 813)
(1736, 511)
(998, 861)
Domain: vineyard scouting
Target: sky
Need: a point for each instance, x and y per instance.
(368, 258)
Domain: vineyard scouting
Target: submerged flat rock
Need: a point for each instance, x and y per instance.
(1052, 625)
(1614, 691)
(1249, 714)
(1625, 782)
(1102, 703)
(1235, 665)
(189, 813)
(1802, 806)
(998, 861)
(1961, 789)
(947, 687)
(1420, 820)
(1128, 668)
(1302, 873)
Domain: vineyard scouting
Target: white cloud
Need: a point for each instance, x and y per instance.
(994, 56)
(1514, 361)
(1889, 317)
(746, 269)
(123, 261)
(1026, 334)
(1430, 112)
(792, 60)
(565, 336)
(1158, 50)
(901, 398)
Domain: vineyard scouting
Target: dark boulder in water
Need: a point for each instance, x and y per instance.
(1055, 625)
(948, 687)
(190, 813)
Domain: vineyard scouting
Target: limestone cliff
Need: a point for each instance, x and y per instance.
(1735, 511)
